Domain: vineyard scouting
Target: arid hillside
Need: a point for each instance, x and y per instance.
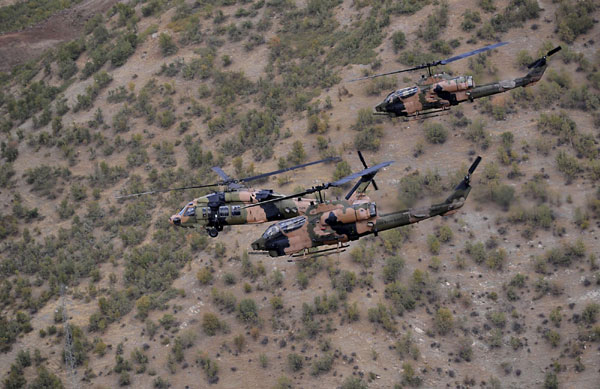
(153, 94)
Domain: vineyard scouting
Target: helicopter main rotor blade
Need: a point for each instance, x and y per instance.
(470, 53)
(167, 190)
(329, 159)
(228, 180)
(388, 73)
(435, 63)
(366, 172)
(342, 181)
(221, 173)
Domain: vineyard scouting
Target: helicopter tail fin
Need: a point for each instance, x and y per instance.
(460, 193)
(538, 67)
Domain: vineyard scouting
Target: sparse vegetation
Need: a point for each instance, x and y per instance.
(73, 139)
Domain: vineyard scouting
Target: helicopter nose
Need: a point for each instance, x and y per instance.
(175, 220)
(258, 245)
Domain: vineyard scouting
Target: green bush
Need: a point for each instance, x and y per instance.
(444, 321)
(123, 49)
(560, 125)
(354, 383)
(401, 298)
(590, 313)
(248, 311)
(369, 139)
(204, 275)
(381, 315)
(470, 20)
(435, 133)
(45, 379)
(392, 268)
(433, 243)
(322, 365)
(566, 254)
(357, 44)
(210, 367)
(574, 19)
(297, 155)
(436, 23)
(20, 15)
(503, 195)
(476, 251)
(568, 165)
(398, 41)
(295, 362)
(166, 44)
(377, 85)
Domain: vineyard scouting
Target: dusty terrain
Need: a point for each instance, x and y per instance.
(471, 291)
(19, 47)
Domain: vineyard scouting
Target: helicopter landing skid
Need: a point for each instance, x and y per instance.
(429, 114)
(306, 253)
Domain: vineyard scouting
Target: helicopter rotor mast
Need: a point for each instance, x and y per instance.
(429, 65)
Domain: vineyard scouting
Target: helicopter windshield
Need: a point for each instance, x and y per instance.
(401, 94)
(271, 231)
(292, 224)
(188, 210)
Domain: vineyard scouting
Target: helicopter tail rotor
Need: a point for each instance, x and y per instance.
(362, 159)
(366, 178)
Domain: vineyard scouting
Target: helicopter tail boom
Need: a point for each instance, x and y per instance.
(451, 205)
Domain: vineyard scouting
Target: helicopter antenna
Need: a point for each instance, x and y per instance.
(228, 181)
(365, 175)
(429, 65)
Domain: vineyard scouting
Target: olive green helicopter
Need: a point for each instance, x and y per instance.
(221, 208)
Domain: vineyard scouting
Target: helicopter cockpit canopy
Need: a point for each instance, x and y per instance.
(188, 210)
(400, 94)
(272, 231)
(285, 226)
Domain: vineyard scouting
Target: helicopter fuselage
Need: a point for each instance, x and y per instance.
(441, 91)
(218, 209)
(337, 222)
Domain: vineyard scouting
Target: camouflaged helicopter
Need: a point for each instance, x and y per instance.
(218, 209)
(337, 222)
(438, 92)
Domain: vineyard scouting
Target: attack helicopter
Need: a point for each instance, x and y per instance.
(218, 209)
(337, 222)
(438, 92)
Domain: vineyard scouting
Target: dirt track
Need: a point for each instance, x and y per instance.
(18, 47)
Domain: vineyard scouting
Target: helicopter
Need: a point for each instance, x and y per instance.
(438, 92)
(217, 209)
(338, 222)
